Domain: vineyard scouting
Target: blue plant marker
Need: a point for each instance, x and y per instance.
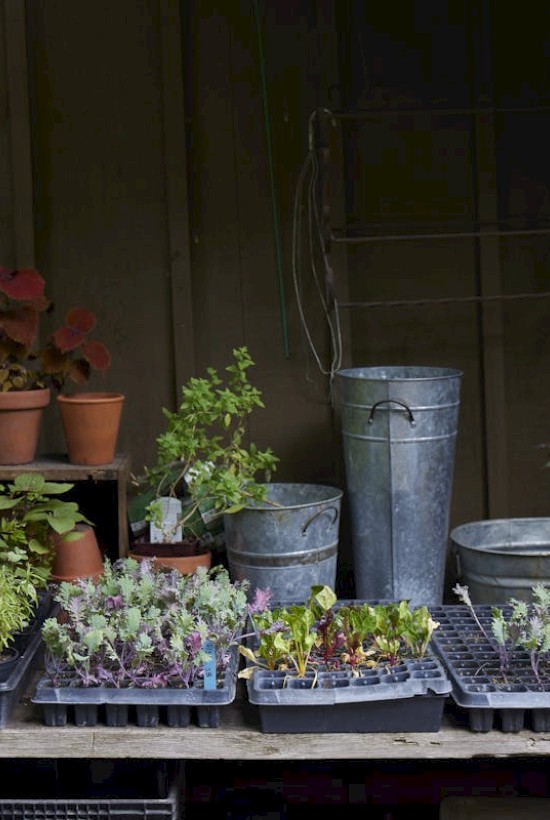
(210, 667)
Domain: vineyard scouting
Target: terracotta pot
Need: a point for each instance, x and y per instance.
(91, 422)
(20, 419)
(77, 557)
(183, 555)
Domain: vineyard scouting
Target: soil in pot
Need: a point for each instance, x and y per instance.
(185, 556)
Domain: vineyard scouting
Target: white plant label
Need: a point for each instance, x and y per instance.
(170, 530)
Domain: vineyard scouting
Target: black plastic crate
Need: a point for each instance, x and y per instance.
(92, 790)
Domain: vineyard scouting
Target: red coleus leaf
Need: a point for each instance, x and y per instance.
(20, 325)
(25, 284)
(79, 318)
(97, 354)
(68, 338)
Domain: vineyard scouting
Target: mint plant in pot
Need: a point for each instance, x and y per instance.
(30, 369)
(204, 468)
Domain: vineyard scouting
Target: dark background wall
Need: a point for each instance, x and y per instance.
(157, 167)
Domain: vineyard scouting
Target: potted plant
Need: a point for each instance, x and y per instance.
(204, 468)
(498, 659)
(32, 514)
(343, 666)
(145, 637)
(29, 370)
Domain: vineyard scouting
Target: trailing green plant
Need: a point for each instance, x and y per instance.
(18, 599)
(31, 512)
(144, 627)
(325, 633)
(202, 454)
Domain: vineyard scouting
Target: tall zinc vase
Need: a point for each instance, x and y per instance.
(399, 427)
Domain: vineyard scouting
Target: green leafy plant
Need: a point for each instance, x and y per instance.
(31, 512)
(18, 599)
(202, 455)
(325, 633)
(69, 353)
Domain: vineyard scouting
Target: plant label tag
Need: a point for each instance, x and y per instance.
(169, 528)
(210, 667)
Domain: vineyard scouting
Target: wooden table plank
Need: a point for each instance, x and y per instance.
(239, 737)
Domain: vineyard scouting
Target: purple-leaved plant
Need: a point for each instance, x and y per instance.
(137, 626)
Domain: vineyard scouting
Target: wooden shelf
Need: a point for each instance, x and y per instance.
(239, 737)
(58, 468)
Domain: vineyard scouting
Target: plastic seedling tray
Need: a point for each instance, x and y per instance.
(177, 708)
(30, 647)
(408, 697)
(486, 699)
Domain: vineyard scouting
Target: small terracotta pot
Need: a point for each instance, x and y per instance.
(183, 556)
(77, 557)
(20, 418)
(91, 422)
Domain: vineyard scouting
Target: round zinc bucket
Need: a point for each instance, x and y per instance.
(499, 559)
(287, 543)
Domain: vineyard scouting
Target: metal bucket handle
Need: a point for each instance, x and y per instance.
(394, 401)
(327, 510)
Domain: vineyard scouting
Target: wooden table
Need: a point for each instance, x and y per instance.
(239, 737)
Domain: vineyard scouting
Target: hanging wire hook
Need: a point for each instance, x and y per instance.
(308, 181)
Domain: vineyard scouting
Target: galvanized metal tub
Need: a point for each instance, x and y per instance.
(399, 427)
(502, 558)
(288, 543)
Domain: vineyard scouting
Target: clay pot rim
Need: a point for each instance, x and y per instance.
(14, 399)
(71, 578)
(90, 398)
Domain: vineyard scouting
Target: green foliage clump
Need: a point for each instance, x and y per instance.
(204, 447)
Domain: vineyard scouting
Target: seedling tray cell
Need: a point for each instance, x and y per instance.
(178, 708)
(485, 699)
(406, 698)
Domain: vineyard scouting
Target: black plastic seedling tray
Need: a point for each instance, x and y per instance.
(30, 646)
(486, 700)
(177, 708)
(409, 697)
